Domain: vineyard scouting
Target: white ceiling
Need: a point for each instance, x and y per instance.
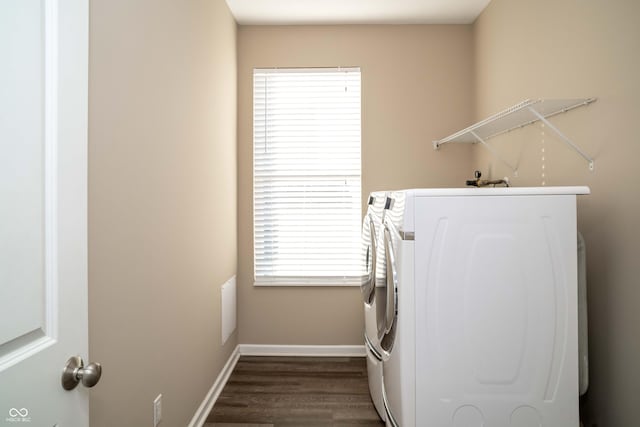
(318, 12)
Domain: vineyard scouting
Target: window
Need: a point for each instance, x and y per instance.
(306, 185)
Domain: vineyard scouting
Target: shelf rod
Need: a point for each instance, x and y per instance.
(488, 147)
(563, 137)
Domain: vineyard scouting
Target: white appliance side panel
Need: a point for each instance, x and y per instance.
(496, 311)
(399, 367)
(374, 373)
(371, 325)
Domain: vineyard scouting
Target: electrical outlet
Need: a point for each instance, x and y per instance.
(157, 410)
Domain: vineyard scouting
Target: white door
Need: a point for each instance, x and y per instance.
(43, 209)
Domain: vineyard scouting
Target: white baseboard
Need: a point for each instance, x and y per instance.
(203, 411)
(302, 350)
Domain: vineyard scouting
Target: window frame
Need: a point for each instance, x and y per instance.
(308, 280)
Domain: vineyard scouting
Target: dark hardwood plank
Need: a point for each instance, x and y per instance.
(296, 391)
(235, 425)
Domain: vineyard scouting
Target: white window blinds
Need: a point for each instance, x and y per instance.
(306, 187)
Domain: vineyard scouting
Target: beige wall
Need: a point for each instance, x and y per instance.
(416, 87)
(162, 175)
(566, 48)
(162, 203)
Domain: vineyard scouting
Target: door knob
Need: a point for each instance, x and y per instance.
(75, 371)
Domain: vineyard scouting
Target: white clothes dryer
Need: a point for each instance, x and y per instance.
(372, 294)
(483, 324)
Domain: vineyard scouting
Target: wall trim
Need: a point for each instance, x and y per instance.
(200, 417)
(203, 411)
(302, 350)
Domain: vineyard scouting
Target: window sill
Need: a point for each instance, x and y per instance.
(308, 281)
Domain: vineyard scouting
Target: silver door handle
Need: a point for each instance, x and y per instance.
(75, 372)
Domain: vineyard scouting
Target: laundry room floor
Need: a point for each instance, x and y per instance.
(296, 391)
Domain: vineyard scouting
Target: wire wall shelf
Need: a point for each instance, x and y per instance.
(520, 115)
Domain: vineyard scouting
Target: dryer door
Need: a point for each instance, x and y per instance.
(369, 247)
(388, 326)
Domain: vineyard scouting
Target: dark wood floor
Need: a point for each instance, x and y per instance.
(296, 391)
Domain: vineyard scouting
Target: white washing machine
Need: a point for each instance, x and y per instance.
(483, 324)
(372, 293)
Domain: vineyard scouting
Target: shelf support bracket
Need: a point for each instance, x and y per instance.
(492, 151)
(563, 137)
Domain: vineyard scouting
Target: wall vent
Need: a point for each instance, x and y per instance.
(228, 309)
